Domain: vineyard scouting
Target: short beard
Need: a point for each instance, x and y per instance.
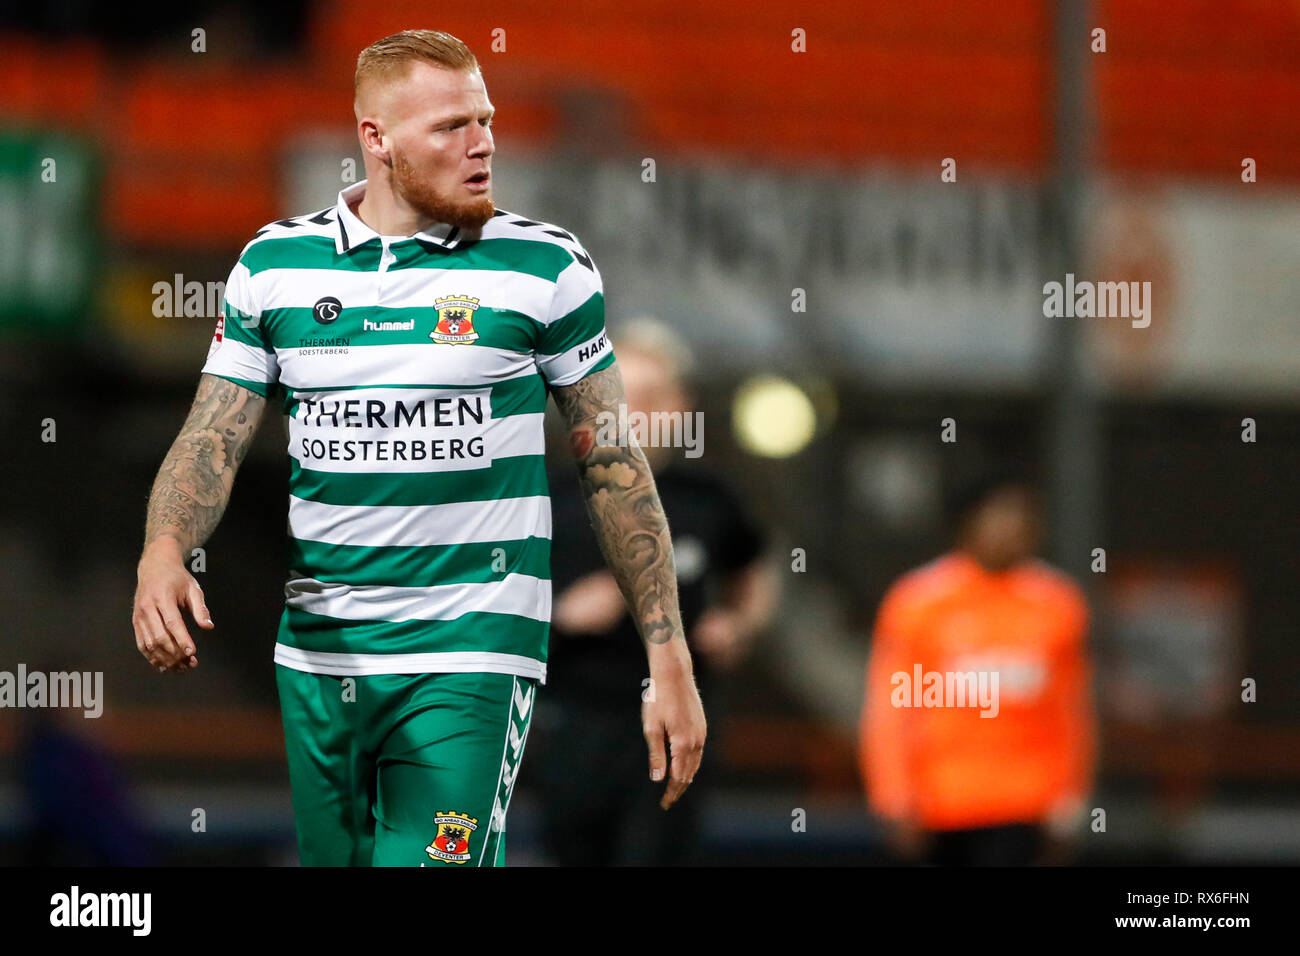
(424, 199)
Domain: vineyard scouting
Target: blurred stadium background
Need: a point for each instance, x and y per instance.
(774, 171)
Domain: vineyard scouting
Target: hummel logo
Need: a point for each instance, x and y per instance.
(368, 326)
(523, 701)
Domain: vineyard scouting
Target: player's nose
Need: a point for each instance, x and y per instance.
(482, 144)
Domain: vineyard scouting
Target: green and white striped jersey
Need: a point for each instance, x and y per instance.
(414, 373)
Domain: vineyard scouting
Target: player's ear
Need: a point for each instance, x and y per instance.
(371, 133)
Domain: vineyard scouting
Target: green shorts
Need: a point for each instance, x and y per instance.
(403, 769)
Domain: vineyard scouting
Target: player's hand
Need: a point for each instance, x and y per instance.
(164, 589)
(672, 713)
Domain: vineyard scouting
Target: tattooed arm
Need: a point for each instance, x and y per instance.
(630, 526)
(189, 496)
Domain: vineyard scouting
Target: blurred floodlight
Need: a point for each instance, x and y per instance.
(772, 417)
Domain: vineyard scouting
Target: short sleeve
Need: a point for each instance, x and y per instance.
(574, 342)
(240, 349)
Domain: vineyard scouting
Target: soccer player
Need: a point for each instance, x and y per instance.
(413, 332)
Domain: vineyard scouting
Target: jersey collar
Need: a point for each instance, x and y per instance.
(352, 232)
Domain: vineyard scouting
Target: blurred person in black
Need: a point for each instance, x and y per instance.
(597, 807)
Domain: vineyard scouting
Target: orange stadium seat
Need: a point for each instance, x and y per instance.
(1194, 93)
(876, 75)
(199, 151)
(191, 148)
(51, 83)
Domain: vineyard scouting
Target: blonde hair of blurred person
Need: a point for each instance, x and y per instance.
(658, 370)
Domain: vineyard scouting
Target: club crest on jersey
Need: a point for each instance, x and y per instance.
(455, 319)
(452, 842)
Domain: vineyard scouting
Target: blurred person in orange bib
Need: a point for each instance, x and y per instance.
(977, 732)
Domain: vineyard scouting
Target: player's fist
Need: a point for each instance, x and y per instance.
(164, 591)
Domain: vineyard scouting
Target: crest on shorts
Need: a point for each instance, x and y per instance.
(452, 842)
(455, 319)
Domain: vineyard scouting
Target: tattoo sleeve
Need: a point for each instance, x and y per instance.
(193, 485)
(623, 505)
